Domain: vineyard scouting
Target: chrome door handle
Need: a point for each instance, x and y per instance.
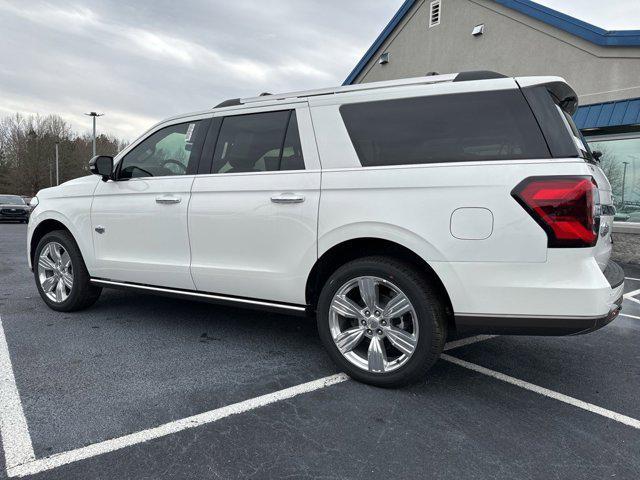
(287, 198)
(168, 200)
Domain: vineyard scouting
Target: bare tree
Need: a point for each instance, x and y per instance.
(27, 152)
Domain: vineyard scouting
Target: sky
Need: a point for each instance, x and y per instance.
(140, 61)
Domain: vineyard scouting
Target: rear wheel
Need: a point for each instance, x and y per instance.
(381, 321)
(61, 275)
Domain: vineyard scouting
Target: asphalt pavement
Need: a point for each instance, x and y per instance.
(134, 362)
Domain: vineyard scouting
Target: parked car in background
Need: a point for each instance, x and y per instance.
(14, 208)
(394, 211)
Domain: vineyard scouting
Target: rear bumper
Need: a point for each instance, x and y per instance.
(550, 325)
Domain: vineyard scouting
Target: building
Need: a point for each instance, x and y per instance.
(520, 37)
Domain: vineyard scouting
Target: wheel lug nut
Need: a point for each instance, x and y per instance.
(377, 313)
(367, 313)
(369, 331)
(383, 323)
(364, 322)
(379, 332)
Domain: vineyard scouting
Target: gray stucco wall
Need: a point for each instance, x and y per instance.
(513, 44)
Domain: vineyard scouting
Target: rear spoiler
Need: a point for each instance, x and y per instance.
(562, 93)
(543, 94)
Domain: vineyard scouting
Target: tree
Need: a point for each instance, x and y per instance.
(27, 152)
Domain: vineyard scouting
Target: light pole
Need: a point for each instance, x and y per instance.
(94, 115)
(57, 169)
(624, 178)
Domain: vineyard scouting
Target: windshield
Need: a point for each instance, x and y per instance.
(11, 200)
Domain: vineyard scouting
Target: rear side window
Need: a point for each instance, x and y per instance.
(258, 142)
(497, 125)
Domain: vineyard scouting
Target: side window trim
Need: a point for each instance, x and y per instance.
(284, 139)
(194, 165)
(205, 165)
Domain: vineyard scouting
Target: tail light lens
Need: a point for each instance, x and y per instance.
(565, 207)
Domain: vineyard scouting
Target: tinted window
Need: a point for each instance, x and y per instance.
(258, 142)
(553, 128)
(168, 151)
(476, 126)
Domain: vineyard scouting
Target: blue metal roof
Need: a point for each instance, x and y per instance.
(591, 33)
(608, 114)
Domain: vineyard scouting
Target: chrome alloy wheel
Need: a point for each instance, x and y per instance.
(55, 272)
(373, 324)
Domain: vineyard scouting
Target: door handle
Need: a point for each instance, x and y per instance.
(168, 200)
(287, 198)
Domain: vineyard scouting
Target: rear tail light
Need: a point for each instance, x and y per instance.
(565, 207)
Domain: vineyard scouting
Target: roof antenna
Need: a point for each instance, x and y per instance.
(431, 74)
(265, 94)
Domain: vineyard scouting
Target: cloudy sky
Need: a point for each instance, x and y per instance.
(140, 61)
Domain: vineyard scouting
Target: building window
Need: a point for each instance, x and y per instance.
(435, 11)
(621, 163)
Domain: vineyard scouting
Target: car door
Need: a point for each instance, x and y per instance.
(253, 218)
(139, 220)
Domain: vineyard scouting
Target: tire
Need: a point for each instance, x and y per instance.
(427, 317)
(82, 293)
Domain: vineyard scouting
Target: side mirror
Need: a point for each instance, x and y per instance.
(102, 165)
(597, 154)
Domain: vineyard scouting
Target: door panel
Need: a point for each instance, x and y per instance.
(145, 237)
(140, 220)
(254, 233)
(245, 244)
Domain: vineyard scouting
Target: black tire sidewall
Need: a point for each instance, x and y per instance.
(429, 311)
(80, 277)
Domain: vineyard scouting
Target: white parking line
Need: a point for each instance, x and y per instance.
(19, 451)
(17, 442)
(467, 341)
(57, 460)
(618, 417)
(633, 279)
(631, 294)
(629, 316)
(13, 425)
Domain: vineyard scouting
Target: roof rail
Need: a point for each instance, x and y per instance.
(353, 88)
(426, 80)
(477, 75)
(232, 102)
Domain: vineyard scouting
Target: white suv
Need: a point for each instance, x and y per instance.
(395, 211)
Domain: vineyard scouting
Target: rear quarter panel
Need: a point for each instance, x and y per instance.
(413, 206)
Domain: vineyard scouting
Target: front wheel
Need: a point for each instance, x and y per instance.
(61, 275)
(381, 321)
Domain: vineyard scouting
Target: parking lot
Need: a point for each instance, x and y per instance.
(148, 387)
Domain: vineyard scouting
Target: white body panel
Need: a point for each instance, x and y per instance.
(69, 204)
(244, 244)
(144, 241)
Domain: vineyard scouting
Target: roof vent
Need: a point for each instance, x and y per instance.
(435, 9)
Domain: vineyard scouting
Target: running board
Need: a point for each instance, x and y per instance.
(207, 297)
